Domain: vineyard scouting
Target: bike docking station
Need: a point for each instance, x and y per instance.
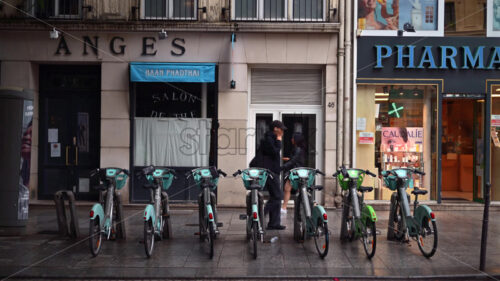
(72, 230)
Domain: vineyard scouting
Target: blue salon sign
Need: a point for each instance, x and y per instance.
(172, 72)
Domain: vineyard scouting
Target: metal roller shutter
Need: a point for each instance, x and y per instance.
(286, 86)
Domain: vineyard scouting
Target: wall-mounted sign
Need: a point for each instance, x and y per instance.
(366, 138)
(172, 72)
(495, 120)
(117, 46)
(395, 110)
(446, 62)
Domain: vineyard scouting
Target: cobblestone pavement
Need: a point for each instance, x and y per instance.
(38, 252)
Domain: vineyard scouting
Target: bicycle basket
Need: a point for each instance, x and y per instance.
(249, 174)
(353, 174)
(121, 180)
(200, 174)
(167, 181)
(297, 174)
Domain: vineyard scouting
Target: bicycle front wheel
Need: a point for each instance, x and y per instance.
(95, 237)
(321, 239)
(370, 239)
(428, 237)
(149, 237)
(254, 238)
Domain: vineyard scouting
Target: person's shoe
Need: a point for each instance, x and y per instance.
(279, 227)
(283, 211)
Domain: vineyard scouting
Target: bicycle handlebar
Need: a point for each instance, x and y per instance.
(237, 173)
(320, 172)
(220, 172)
(370, 173)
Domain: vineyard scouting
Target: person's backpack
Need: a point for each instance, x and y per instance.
(257, 161)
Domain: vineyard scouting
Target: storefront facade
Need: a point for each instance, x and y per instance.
(429, 103)
(130, 99)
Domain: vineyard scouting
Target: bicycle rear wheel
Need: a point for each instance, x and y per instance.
(149, 237)
(95, 237)
(209, 240)
(321, 239)
(370, 239)
(254, 238)
(427, 239)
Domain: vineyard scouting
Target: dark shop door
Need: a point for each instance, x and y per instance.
(69, 129)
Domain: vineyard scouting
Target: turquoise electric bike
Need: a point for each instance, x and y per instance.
(102, 220)
(254, 180)
(310, 218)
(421, 226)
(157, 223)
(206, 178)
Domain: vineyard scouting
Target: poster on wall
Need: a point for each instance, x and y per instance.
(24, 173)
(394, 14)
(409, 139)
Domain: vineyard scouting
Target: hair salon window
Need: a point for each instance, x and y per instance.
(386, 17)
(173, 124)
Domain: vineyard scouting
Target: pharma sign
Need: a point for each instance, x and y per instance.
(451, 60)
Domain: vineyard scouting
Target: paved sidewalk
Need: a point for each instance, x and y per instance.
(40, 253)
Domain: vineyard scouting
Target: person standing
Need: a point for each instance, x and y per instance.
(270, 150)
(297, 160)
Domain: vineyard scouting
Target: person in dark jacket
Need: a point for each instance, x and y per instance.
(297, 160)
(270, 149)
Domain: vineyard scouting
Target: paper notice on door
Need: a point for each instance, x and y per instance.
(366, 138)
(55, 150)
(495, 120)
(83, 185)
(361, 124)
(53, 135)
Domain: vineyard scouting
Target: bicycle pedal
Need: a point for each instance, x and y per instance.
(220, 224)
(243, 217)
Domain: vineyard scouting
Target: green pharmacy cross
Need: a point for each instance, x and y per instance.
(395, 110)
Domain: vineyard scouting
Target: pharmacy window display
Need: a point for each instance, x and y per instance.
(401, 122)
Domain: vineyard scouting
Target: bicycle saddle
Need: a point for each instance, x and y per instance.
(419, 192)
(365, 188)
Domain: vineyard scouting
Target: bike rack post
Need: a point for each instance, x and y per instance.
(120, 223)
(73, 230)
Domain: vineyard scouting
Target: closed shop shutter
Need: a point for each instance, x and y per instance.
(286, 86)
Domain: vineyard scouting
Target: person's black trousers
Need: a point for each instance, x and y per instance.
(273, 206)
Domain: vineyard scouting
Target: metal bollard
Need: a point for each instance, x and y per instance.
(73, 230)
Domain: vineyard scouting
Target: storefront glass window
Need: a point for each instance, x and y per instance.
(495, 144)
(394, 14)
(171, 125)
(465, 18)
(396, 128)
